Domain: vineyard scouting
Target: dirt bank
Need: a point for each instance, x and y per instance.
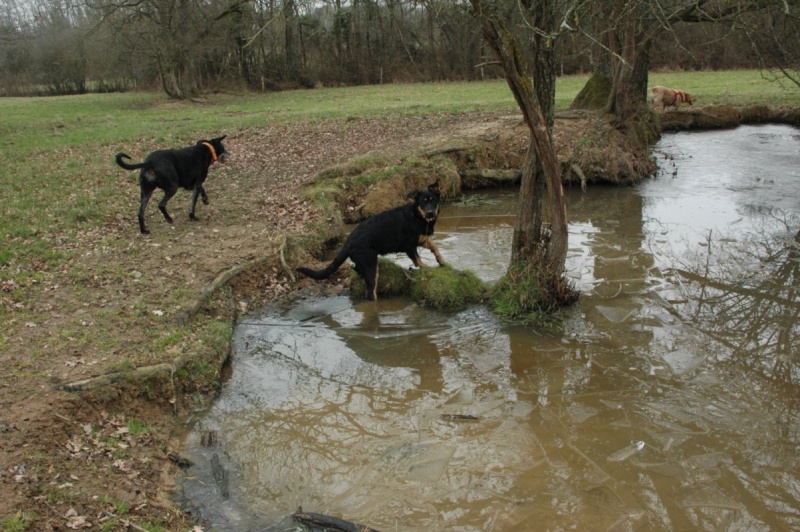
(94, 388)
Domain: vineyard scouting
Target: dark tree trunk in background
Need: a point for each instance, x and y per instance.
(621, 75)
(597, 91)
(290, 40)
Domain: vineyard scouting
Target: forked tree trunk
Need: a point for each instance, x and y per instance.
(618, 84)
(529, 244)
(532, 244)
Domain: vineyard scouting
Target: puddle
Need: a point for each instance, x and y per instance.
(666, 399)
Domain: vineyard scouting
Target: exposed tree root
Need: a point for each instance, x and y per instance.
(221, 280)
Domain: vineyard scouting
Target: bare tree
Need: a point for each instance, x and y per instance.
(539, 253)
(172, 35)
(774, 36)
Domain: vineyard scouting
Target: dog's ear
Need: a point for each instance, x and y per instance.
(434, 188)
(412, 195)
(219, 139)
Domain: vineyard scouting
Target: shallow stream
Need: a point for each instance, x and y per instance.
(667, 398)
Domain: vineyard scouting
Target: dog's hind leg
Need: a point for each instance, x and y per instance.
(162, 205)
(367, 267)
(145, 199)
(374, 291)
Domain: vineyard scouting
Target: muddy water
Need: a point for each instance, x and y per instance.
(666, 399)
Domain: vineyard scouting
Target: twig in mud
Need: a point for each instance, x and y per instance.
(286, 267)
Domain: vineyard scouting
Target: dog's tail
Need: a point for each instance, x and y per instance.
(329, 270)
(128, 166)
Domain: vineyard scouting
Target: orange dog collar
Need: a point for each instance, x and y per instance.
(213, 151)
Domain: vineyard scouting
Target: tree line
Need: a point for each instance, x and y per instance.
(186, 47)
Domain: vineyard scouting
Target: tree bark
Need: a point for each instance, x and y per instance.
(597, 91)
(531, 244)
(619, 83)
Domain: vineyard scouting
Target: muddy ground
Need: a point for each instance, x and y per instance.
(89, 426)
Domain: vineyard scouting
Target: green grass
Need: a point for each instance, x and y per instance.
(37, 124)
(738, 87)
(17, 523)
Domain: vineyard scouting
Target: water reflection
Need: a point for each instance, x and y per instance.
(665, 400)
(744, 294)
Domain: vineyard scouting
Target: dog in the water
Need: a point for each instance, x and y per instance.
(172, 169)
(670, 97)
(398, 230)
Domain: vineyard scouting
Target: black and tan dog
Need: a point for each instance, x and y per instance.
(666, 97)
(398, 230)
(175, 168)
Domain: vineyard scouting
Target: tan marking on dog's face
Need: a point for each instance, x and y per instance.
(427, 207)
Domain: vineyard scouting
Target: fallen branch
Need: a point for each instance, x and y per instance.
(221, 280)
(286, 267)
(578, 172)
(110, 378)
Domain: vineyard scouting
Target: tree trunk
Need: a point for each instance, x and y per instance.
(290, 41)
(530, 232)
(619, 83)
(597, 91)
(532, 245)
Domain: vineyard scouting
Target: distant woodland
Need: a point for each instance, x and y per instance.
(187, 47)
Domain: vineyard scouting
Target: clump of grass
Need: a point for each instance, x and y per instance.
(393, 280)
(136, 427)
(353, 167)
(443, 288)
(530, 295)
(18, 522)
(446, 288)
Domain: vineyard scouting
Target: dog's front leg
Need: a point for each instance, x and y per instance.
(415, 259)
(197, 191)
(427, 243)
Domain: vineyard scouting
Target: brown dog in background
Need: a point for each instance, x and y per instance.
(670, 97)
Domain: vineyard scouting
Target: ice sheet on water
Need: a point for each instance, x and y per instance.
(707, 496)
(626, 452)
(580, 412)
(709, 460)
(683, 361)
(616, 314)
